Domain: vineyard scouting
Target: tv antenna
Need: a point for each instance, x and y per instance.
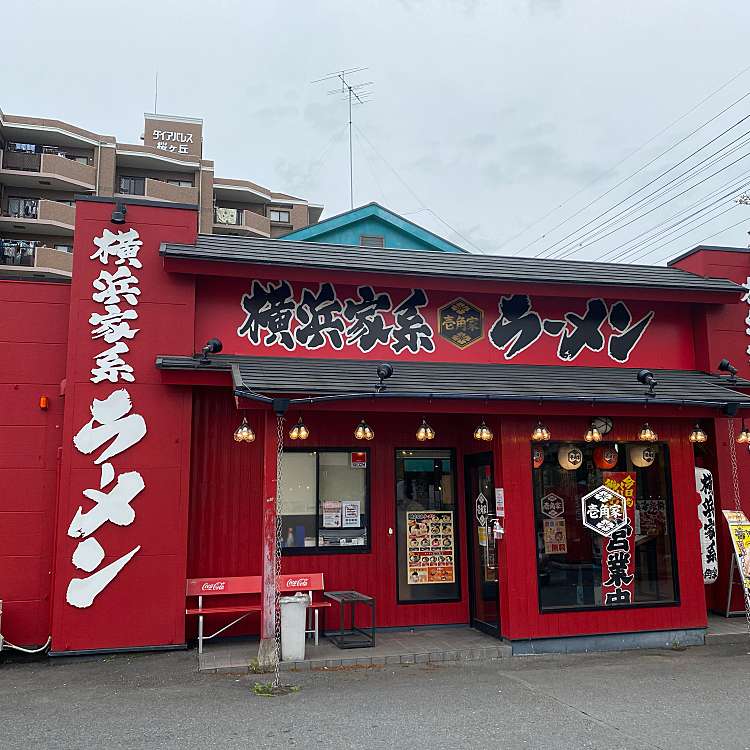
(355, 93)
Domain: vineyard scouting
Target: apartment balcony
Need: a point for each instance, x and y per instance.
(22, 169)
(242, 222)
(158, 190)
(20, 258)
(38, 216)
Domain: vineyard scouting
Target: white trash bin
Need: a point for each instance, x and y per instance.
(293, 614)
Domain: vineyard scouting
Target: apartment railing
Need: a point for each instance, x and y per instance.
(42, 209)
(231, 216)
(35, 254)
(239, 218)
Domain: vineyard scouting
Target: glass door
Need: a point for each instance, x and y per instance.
(484, 586)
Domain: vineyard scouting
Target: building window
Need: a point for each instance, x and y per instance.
(280, 216)
(181, 183)
(579, 568)
(64, 248)
(371, 240)
(25, 148)
(325, 501)
(426, 521)
(23, 208)
(132, 185)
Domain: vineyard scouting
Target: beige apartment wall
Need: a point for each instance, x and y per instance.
(206, 218)
(155, 174)
(299, 216)
(106, 178)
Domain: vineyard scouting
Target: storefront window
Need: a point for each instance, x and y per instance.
(426, 526)
(615, 548)
(324, 501)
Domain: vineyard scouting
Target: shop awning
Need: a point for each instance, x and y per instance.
(263, 378)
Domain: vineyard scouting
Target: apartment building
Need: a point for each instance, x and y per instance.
(45, 163)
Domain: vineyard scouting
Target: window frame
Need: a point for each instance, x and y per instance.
(132, 178)
(317, 549)
(675, 602)
(280, 211)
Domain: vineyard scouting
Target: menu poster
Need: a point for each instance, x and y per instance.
(429, 547)
(350, 514)
(555, 536)
(332, 514)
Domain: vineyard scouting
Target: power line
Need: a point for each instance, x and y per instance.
(648, 184)
(622, 161)
(629, 177)
(721, 231)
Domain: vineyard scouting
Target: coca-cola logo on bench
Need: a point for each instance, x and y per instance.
(297, 582)
(215, 586)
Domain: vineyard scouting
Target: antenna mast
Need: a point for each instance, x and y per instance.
(156, 91)
(355, 94)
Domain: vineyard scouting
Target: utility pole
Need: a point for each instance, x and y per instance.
(355, 94)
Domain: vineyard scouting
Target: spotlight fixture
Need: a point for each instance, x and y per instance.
(364, 431)
(244, 432)
(213, 346)
(299, 431)
(483, 432)
(592, 434)
(384, 372)
(647, 378)
(744, 436)
(425, 432)
(118, 215)
(726, 366)
(647, 435)
(541, 433)
(697, 435)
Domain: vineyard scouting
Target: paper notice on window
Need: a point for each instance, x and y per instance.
(350, 514)
(429, 547)
(331, 514)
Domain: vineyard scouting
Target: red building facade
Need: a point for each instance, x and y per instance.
(531, 540)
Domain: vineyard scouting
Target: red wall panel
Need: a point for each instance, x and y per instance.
(33, 340)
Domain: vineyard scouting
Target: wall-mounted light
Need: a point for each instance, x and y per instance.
(592, 434)
(364, 431)
(698, 435)
(647, 378)
(647, 435)
(244, 432)
(726, 366)
(43, 403)
(541, 434)
(483, 432)
(213, 346)
(425, 432)
(744, 436)
(299, 431)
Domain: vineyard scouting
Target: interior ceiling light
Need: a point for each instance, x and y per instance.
(483, 432)
(541, 433)
(425, 432)
(698, 435)
(299, 431)
(364, 431)
(244, 432)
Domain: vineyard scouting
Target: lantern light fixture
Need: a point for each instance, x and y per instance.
(744, 436)
(299, 431)
(364, 431)
(698, 435)
(425, 432)
(483, 432)
(244, 432)
(592, 434)
(647, 435)
(541, 434)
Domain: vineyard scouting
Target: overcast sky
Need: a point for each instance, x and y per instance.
(486, 116)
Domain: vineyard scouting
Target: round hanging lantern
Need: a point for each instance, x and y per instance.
(538, 456)
(569, 457)
(605, 457)
(642, 455)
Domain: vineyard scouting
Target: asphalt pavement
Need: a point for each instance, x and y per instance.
(687, 699)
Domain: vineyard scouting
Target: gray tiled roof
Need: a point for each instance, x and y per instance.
(296, 254)
(285, 376)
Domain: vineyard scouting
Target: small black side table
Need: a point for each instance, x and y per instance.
(352, 637)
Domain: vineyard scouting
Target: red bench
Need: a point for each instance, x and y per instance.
(248, 586)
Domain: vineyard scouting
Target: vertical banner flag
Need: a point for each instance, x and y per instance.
(618, 552)
(704, 486)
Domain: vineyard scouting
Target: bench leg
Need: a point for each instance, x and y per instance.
(316, 627)
(200, 634)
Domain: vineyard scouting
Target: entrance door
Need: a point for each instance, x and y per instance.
(484, 588)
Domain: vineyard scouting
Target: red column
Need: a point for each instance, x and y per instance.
(267, 650)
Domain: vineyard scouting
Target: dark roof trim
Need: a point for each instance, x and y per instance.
(317, 255)
(712, 248)
(338, 380)
(135, 202)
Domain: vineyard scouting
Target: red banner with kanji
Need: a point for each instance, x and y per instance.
(618, 551)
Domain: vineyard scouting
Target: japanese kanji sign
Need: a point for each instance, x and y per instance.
(603, 511)
(293, 317)
(552, 505)
(704, 486)
(113, 427)
(618, 553)
(461, 323)
(739, 531)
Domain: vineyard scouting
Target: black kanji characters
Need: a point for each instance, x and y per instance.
(270, 308)
(621, 344)
(518, 326)
(411, 331)
(319, 319)
(586, 331)
(367, 327)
